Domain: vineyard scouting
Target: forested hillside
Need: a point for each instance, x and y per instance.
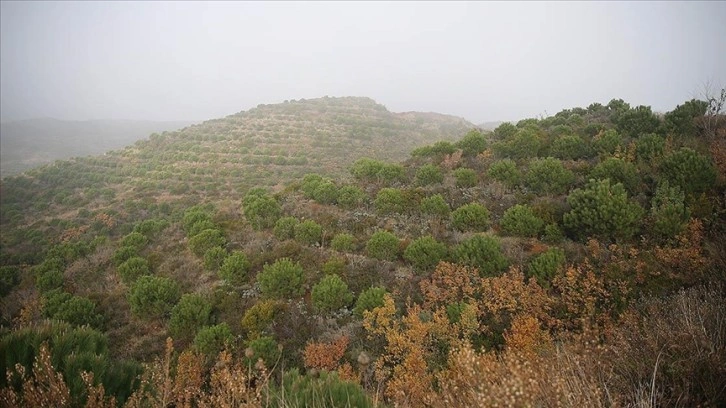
(281, 257)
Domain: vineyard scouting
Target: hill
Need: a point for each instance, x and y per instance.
(573, 258)
(30, 143)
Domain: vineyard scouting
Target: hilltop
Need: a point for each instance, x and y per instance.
(575, 258)
(30, 143)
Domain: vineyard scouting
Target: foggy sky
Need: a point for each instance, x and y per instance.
(482, 61)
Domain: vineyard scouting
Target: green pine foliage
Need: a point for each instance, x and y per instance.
(191, 313)
(482, 252)
(369, 299)
(282, 279)
(383, 245)
(153, 296)
(331, 294)
(425, 253)
(520, 220)
(471, 217)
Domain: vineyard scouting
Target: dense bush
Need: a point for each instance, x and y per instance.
(425, 253)
(569, 147)
(214, 257)
(692, 172)
(522, 221)
(435, 206)
(265, 348)
(505, 171)
(205, 240)
(668, 211)
(376, 171)
(438, 149)
(473, 143)
(76, 310)
(548, 176)
(211, 340)
(637, 121)
(603, 210)
(524, 144)
(257, 318)
(681, 121)
(350, 197)
(390, 200)
(123, 254)
(470, 217)
(285, 228)
(465, 177)
(133, 268)
(607, 142)
(483, 253)
(649, 147)
(308, 232)
(331, 294)
(234, 268)
(545, 265)
(9, 277)
(342, 242)
(325, 390)
(618, 171)
(153, 296)
(261, 209)
(135, 239)
(282, 279)
(383, 245)
(191, 313)
(369, 299)
(429, 174)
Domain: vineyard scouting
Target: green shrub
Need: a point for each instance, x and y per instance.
(637, 121)
(545, 266)
(214, 257)
(470, 217)
(325, 390)
(649, 147)
(334, 266)
(234, 268)
(505, 171)
(369, 299)
(257, 318)
(153, 296)
(282, 279)
(524, 144)
(9, 278)
(429, 174)
(383, 245)
(49, 280)
(135, 239)
(425, 253)
(76, 310)
(331, 294)
(681, 120)
(473, 143)
(261, 209)
(192, 312)
(618, 171)
(308, 232)
(350, 197)
(211, 340)
(264, 348)
(548, 176)
(482, 252)
(374, 170)
(465, 178)
(193, 216)
(342, 242)
(123, 254)
(285, 228)
(326, 192)
(692, 172)
(668, 211)
(438, 149)
(435, 206)
(520, 220)
(602, 210)
(390, 200)
(133, 268)
(200, 226)
(552, 234)
(607, 142)
(205, 240)
(569, 147)
(309, 183)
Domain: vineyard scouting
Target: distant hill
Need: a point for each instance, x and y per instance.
(220, 159)
(25, 144)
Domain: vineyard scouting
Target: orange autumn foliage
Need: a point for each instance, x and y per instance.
(325, 356)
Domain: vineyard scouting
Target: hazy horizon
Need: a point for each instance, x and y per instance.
(483, 61)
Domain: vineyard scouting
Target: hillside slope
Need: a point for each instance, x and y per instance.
(25, 144)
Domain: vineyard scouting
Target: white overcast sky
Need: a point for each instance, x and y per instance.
(483, 61)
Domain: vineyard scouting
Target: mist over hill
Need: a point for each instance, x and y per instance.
(29, 143)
